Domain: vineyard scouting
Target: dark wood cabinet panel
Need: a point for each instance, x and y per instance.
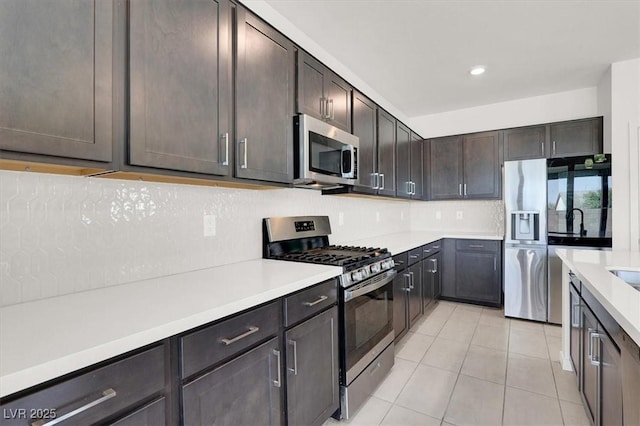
(445, 168)
(237, 393)
(414, 303)
(403, 161)
(180, 81)
(417, 166)
(387, 153)
(476, 276)
(578, 137)
(303, 304)
(56, 83)
(365, 128)
(265, 97)
(322, 93)
(150, 415)
(525, 143)
(400, 317)
(313, 392)
(482, 175)
(431, 279)
(449, 268)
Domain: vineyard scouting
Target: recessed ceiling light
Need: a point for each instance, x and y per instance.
(477, 70)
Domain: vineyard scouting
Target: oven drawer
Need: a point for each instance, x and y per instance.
(478, 245)
(415, 255)
(401, 260)
(206, 347)
(94, 395)
(429, 249)
(310, 301)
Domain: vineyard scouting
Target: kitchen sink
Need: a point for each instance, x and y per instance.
(630, 277)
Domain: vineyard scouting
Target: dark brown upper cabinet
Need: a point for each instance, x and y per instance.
(386, 154)
(409, 163)
(465, 167)
(265, 99)
(524, 143)
(577, 137)
(180, 85)
(366, 129)
(417, 166)
(322, 93)
(56, 82)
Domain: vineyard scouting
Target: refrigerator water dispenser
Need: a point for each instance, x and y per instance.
(525, 225)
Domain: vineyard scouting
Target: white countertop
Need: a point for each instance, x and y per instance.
(47, 338)
(620, 299)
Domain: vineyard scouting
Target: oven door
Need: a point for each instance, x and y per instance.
(368, 321)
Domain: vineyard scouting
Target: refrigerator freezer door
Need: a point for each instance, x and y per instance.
(525, 201)
(525, 282)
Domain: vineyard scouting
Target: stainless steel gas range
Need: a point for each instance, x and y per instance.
(365, 302)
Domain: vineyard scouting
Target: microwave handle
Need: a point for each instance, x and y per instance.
(352, 157)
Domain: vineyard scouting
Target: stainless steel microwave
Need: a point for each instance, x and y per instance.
(325, 156)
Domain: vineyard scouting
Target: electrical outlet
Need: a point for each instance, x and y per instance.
(459, 214)
(209, 225)
(438, 215)
(340, 218)
(401, 215)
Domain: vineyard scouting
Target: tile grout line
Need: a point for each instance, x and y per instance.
(555, 384)
(506, 371)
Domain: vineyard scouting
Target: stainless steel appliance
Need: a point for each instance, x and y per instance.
(525, 261)
(578, 214)
(365, 300)
(325, 156)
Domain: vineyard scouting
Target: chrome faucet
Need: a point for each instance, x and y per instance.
(583, 233)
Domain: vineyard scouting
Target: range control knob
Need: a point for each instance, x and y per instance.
(356, 275)
(375, 268)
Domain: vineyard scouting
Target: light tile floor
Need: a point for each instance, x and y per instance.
(467, 365)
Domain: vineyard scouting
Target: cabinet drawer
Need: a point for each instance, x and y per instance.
(401, 260)
(415, 255)
(94, 395)
(429, 249)
(478, 245)
(206, 347)
(307, 302)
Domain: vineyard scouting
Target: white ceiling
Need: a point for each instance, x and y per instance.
(417, 53)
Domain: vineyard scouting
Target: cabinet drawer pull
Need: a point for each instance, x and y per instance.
(225, 162)
(399, 262)
(278, 382)
(542, 148)
(315, 302)
(252, 329)
(436, 247)
(414, 256)
(244, 142)
(554, 147)
(107, 394)
(426, 251)
(294, 346)
(476, 245)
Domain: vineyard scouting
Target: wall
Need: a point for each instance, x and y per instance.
(561, 106)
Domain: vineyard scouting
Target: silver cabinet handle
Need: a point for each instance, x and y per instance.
(413, 256)
(413, 188)
(495, 262)
(590, 331)
(107, 394)
(465, 189)
(244, 142)
(278, 382)
(542, 148)
(315, 302)
(435, 265)
(382, 180)
(460, 189)
(425, 251)
(575, 315)
(294, 346)
(476, 245)
(225, 162)
(411, 281)
(331, 111)
(436, 247)
(252, 329)
(594, 360)
(322, 108)
(374, 180)
(407, 286)
(554, 147)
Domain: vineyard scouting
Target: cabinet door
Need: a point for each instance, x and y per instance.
(477, 276)
(338, 94)
(56, 83)
(610, 381)
(149, 415)
(387, 153)
(525, 143)
(415, 293)
(448, 282)
(416, 166)
(445, 168)
(403, 161)
(180, 87)
(579, 137)
(428, 278)
(589, 372)
(400, 288)
(365, 128)
(482, 172)
(310, 86)
(575, 317)
(246, 388)
(265, 91)
(437, 280)
(313, 392)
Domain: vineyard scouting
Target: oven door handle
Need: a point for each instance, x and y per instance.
(352, 294)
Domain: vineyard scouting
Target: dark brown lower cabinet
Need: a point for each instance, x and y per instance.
(243, 391)
(431, 280)
(151, 414)
(407, 293)
(313, 391)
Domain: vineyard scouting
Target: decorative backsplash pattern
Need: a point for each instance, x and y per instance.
(65, 234)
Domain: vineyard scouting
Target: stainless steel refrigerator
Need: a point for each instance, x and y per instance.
(525, 255)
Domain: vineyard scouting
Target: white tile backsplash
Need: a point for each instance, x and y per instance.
(66, 234)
